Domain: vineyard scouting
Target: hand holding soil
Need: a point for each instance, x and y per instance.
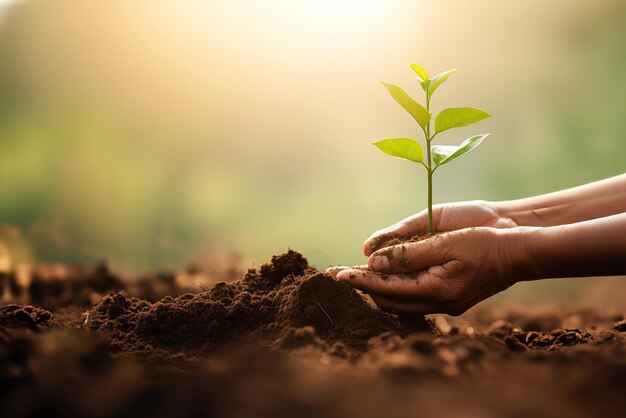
(450, 272)
(446, 217)
(491, 246)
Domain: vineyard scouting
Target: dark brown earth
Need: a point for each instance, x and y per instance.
(286, 340)
(269, 306)
(389, 240)
(30, 317)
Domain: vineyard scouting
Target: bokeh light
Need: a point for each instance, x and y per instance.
(154, 133)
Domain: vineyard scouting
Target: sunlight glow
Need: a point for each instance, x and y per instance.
(4, 3)
(303, 19)
(342, 11)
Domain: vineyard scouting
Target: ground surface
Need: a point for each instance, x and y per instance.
(287, 340)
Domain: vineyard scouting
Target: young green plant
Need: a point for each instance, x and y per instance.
(453, 117)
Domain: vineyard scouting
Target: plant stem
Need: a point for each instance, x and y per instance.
(431, 226)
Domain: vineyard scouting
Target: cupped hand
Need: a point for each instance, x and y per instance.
(446, 217)
(446, 273)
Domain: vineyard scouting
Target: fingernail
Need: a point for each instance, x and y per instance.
(332, 271)
(380, 262)
(345, 275)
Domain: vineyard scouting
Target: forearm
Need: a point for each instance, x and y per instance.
(594, 200)
(592, 248)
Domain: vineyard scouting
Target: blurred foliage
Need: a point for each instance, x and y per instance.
(152, 134)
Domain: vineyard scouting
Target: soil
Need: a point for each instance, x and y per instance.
(286, 340)
(383, 241)
(270, 306)
(15, 316)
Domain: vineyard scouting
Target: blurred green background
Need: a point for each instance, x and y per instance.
(152, 133)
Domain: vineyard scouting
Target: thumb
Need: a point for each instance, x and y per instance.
(413, 256)
(407, 227)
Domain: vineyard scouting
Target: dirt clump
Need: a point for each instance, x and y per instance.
(389, 240)
(620, 326)
(56, 287)
(284, 303)
(30, 317)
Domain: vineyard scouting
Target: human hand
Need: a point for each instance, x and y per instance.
(447, 273)
(446, 217)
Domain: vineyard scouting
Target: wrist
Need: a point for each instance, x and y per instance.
(521, 212)
(517, 247)
(505, 209)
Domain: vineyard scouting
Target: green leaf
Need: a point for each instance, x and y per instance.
(443, 154)
(421, 72)
(455, 117)
(419, 112)
(406, 148)
(438, 79)
(422, 76)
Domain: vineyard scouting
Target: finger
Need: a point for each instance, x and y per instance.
(406, 228)
(413, 256)
(409, 287)
(333, 270)
(394, 305)
(504, 223)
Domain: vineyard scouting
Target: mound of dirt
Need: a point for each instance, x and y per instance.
(286, 340)
(31, 317)
(61, 287)
(285, 303)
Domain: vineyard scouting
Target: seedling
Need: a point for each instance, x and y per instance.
(453, 117)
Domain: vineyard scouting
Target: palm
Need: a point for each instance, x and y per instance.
(446, 217)
(453, 216)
